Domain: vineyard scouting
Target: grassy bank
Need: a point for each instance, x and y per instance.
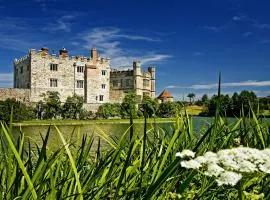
(98, 121)
(138, 165)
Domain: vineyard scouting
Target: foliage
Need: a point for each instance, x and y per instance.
(235, 105)
(191, 97)
(17, 109)
(129, 105)
(72, 107)
(149, 106)
(52, 105)
(144, 168)
(168, 109)
(109, 110)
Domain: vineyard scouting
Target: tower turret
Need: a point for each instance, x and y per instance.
(63, 52)
(94, 55)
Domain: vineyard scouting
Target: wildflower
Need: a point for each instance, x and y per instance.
(185, 153)
(228, 178)
(213, 170)
(191, 164)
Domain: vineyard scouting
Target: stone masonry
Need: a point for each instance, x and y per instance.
(90, 77)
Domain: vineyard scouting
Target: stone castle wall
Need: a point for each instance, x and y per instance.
(13, 93)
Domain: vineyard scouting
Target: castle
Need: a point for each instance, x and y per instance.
(90, 77)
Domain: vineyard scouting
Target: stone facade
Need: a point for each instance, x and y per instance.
(142, 83)
(90, 77)
(85, 76)
(12, 93)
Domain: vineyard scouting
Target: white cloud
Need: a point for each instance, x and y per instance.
(256, 24)
(6, 79)
(247, 34)
(198, 53)
(249, 83)
(215, 28)
(61, 24)
(239, 18)
(108, 40)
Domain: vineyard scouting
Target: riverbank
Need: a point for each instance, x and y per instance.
(68, 122)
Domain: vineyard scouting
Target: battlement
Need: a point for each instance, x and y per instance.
(44, 52)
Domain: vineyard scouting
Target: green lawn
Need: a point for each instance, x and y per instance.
(99, 121)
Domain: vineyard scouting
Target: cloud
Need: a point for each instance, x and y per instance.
(6, 79)
(215, 28)
(198, 53)
(249, 83)
(265, 41)
(247, 34)
(239, 18)
(61, 24)
(109, 40)
(258, 25)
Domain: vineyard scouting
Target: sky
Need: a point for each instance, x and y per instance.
(189, 42)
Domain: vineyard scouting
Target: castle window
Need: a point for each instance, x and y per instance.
(53, 67)
(79, 83)
(115, 83)
(103, 86)
(146, 83)
(103, 72)
(80, 69)
(127, 82)
(53, 82)
(101, 97)
(21, 69)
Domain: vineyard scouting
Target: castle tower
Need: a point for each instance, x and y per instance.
(94, 55)
(63, 53)
(152, 71)
(138, 81)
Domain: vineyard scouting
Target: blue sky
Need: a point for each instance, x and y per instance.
(189, 42)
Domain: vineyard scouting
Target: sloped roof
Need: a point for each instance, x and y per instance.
(165, 94)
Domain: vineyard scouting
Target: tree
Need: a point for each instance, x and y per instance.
(205, 99)
(108, 110)
(148, 106)
(168, 109)
(72, 107)
(52, 104)
(129, 105)
(19, 110)
(191, 96)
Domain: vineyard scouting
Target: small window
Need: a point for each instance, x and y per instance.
(21, 69)
(101, 97)
(53, 67)
(79, 83)
(96, 98)
(28, 67)
(115, 83)
(103, 86)
(103, 72)
(53, 82)
(127, 82)
(80, 69)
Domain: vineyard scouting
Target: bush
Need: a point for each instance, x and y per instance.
(20, 111)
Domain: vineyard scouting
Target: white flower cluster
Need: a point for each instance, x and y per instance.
(228, 165)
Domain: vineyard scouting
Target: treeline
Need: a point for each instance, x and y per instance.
(52, 108)
(132, 106)
(235, 105)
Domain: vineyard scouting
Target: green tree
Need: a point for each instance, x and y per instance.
(108, 110)
(72, 107)
(205, 99)
(148, 106)
(168, 109)
(191, 97)
(19, 110)
(129, 105)
(52, 104)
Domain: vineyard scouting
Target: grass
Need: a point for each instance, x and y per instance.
(99, 121)
(141, 167)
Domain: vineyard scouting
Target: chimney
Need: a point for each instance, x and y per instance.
(45, 50)
(63, 52)
(94, 55)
